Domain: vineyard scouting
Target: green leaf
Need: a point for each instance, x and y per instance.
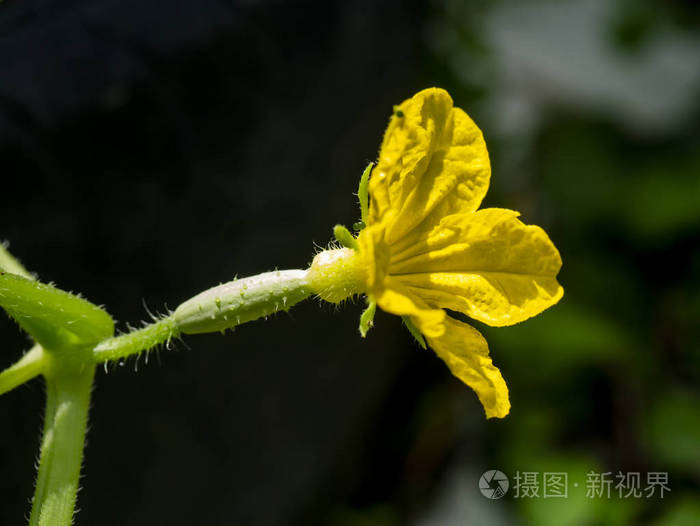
(344, 237)
(367, 318)
(30, 365)
(414, 331)
(54, 318)
(363, 196)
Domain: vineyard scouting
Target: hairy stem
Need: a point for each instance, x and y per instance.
(29, 366)
(67, 402)
(217, 309)
(136, 341)
(69, 376)
(9, 263)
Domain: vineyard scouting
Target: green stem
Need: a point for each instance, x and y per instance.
(214, 310)
(134, 342)
(9, 263)
(29, 366)
(67, 403)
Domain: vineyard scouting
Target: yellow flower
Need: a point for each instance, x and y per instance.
(426, 246)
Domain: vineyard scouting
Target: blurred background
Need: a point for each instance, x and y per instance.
(149, 150)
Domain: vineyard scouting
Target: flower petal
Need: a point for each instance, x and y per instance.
(433, 162)
(466, 353)
(487, 265)
(375, 256)
(395, 299)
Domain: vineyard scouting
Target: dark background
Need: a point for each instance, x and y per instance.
(149, 150)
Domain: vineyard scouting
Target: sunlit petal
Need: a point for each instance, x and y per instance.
(433, 162)
(395, 299)
(488, 265)
(466, 353)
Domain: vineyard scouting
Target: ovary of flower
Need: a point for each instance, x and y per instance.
(426, 246)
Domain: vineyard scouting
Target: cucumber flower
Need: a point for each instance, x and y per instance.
(425, 246)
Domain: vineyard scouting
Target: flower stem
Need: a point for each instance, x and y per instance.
(136, 341)
(29, 366)
(69, 375)
(67, 402)
(217, 309)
